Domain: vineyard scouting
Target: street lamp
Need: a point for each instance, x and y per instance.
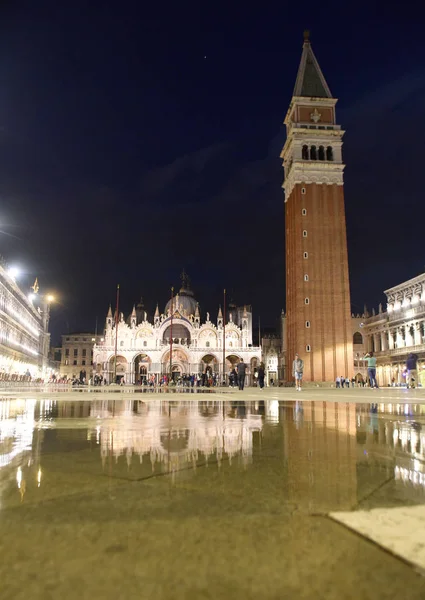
(14, 272)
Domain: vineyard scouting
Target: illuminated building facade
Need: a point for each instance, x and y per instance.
(24, 337)
(143, 344)
(318, 320)
(77, 353)
(394, 333)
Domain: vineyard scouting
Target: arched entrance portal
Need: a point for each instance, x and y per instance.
(231, 364)
(121, 369)
(141, 369)
(209, 369)
(254, 364)
(179, 364)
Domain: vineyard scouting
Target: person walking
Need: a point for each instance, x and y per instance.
(412, 373)
(297, 371)
(241, 369)
(371, 369)
(338, 381)
(261, 374)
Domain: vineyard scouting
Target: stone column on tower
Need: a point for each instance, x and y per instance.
(317, 284)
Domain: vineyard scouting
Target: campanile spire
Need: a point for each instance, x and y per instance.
(317, 285)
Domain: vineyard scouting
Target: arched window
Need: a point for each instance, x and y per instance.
(304, 212)
(305, 153)
(329, 153)
(357, 338)
(306, 277)
(121, 344)
(145, 343)
(305, 233)
(180, 331)
(207, 344)
(321, 153)
(313, 153)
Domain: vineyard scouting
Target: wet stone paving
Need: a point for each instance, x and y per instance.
(212, 496)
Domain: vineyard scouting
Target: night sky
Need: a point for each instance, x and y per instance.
(138, 139)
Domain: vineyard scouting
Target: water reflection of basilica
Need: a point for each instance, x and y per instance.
(176, 433)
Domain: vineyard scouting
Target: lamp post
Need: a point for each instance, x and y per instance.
(45, 300)
(171, 333)
(116, 333)
(224, 337)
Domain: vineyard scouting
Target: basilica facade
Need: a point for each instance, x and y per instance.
(178, 338)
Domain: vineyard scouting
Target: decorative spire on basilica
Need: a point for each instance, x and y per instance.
(219, 317)
(133, 317)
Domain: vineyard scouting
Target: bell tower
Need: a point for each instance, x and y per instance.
(317, 284)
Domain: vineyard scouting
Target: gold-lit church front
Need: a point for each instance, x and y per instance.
(142, 345)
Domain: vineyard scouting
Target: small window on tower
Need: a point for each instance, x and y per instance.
(321, 153)
(306, 301)
(313, 153)
(307, 324)
(305, 254)
(308, 348)
(329, 153)
(305, 277)
(304, 212)
(305, 233)
(305, 152)
(303, 191)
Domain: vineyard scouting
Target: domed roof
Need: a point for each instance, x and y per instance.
(184, 301)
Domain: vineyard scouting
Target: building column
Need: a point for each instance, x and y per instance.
(399, 338)
(383, 341)
(408, 335)
(391, 339)
(417, 334)
(376, 344)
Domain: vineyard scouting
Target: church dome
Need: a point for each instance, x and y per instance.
(184, 301)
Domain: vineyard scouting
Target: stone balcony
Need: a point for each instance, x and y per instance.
(417, 349)
(407, 313)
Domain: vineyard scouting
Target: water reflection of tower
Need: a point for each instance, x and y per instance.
(320, 453)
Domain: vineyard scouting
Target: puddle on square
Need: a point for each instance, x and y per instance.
(318, 455)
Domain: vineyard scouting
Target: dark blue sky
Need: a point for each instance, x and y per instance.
(125, 155)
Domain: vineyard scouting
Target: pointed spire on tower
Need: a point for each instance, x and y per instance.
(109, 315)
(310, 82)
(197, 310)
(133, 314)
(157, 310)
(220, 314)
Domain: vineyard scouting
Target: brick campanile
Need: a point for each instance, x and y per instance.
(317, 283)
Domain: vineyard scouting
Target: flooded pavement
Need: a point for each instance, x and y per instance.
(203, 498)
